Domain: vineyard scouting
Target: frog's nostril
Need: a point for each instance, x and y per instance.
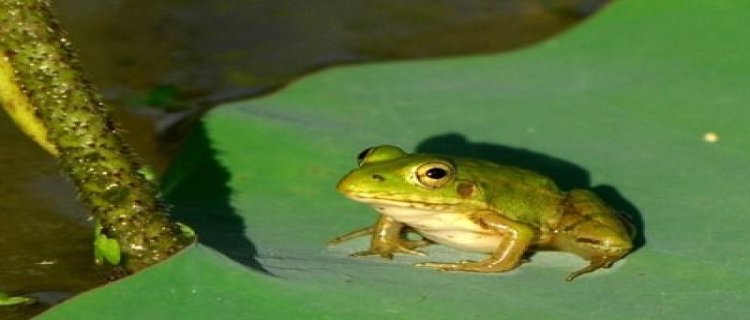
(378, 177)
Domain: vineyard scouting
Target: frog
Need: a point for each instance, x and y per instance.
(476, 205)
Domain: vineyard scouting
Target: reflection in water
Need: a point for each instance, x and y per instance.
(45, 241)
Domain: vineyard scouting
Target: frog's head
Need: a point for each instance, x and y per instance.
(388, 175)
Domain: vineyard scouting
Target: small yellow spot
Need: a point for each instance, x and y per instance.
(711, 137)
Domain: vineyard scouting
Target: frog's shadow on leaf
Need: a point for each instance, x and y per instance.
(567, 175)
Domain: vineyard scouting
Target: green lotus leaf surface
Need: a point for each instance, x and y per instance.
(646, 103)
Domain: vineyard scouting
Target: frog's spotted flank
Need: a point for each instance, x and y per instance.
(465, 190)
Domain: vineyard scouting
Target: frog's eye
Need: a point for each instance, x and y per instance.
(435, 174)
(362, 155)
(379, 153)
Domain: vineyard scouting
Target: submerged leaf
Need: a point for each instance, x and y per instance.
(6, 300)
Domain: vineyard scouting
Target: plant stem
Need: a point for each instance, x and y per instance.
(45, 92)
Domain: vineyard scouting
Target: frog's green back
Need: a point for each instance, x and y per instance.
(517, 193)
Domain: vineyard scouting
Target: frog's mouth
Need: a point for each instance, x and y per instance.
(407, 202)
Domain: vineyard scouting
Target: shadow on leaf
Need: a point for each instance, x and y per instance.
(197, 188)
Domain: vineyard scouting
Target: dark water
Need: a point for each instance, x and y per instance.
(45, 245)
(163, 62)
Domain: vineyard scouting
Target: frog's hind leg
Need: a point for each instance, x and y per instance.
(592, 230)
(514, 237)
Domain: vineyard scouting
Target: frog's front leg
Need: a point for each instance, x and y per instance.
(351, 235)
(386, 239)
(515, 239)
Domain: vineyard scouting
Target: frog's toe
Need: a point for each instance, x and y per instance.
(404, 250)
(595, 264)
(411, 251)
(442, 266)
(371, 252)
(351, 235)
(387, 252)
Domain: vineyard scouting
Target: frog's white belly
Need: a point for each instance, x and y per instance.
(448, 228)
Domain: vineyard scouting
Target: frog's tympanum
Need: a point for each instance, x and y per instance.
(479, 206)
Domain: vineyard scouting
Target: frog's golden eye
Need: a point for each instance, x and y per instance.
(435, 174)
(362, 155)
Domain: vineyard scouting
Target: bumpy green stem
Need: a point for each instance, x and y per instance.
(43, 89)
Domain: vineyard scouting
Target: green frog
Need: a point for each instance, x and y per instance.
(479, 206)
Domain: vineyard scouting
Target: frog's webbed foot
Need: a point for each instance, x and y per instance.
(594, 265)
